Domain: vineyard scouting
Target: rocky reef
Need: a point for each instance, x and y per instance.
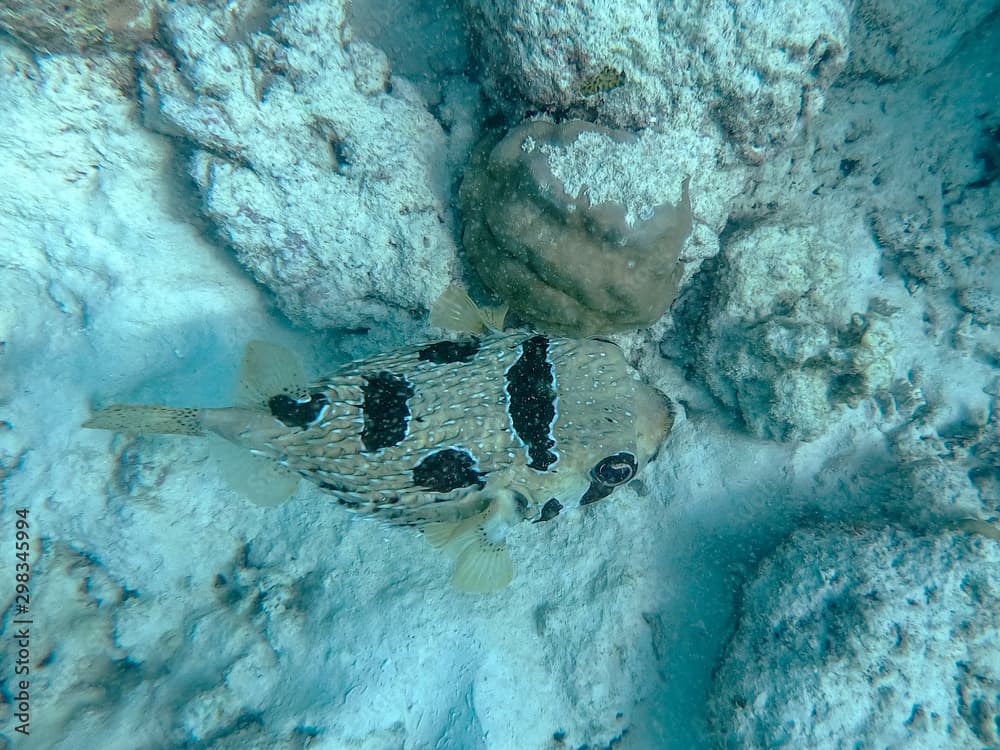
(755, 70)
(822, 620)
(822, 520)
(776, 330)
(56, 26)
(320, 170)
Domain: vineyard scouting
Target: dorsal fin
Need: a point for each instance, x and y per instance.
(494, 317)
(455, 311)
(269, 370)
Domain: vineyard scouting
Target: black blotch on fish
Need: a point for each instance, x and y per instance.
(385, 410)
(296, 413)
(447, 470)
(595, 492)
(531, 387)
(444, 352)
(549, 511)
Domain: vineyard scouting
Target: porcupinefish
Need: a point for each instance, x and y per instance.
(460, 438)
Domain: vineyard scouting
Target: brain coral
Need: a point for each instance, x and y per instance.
(559, 223)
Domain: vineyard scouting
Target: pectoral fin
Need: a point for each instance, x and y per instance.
(482, 563)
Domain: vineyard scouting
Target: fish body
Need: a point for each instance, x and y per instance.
(460, 437)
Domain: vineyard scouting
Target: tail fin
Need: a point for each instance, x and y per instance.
(137, 418)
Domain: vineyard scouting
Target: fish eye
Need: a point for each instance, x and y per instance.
(612, 471)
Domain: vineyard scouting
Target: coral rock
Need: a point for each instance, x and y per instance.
(768, 326)
(761, 68)
(324, 179)
(884, 637)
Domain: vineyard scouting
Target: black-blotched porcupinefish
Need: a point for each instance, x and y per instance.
(461, 438)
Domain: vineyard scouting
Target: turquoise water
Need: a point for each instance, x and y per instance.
(784, 221)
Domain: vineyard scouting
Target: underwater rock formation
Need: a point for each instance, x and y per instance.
(892, 40)
(759, 68)
(907, 223)
(559, 224)
(771, 327)
(53, 26)
(320, 169)
(948, 461)
(885, 637)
